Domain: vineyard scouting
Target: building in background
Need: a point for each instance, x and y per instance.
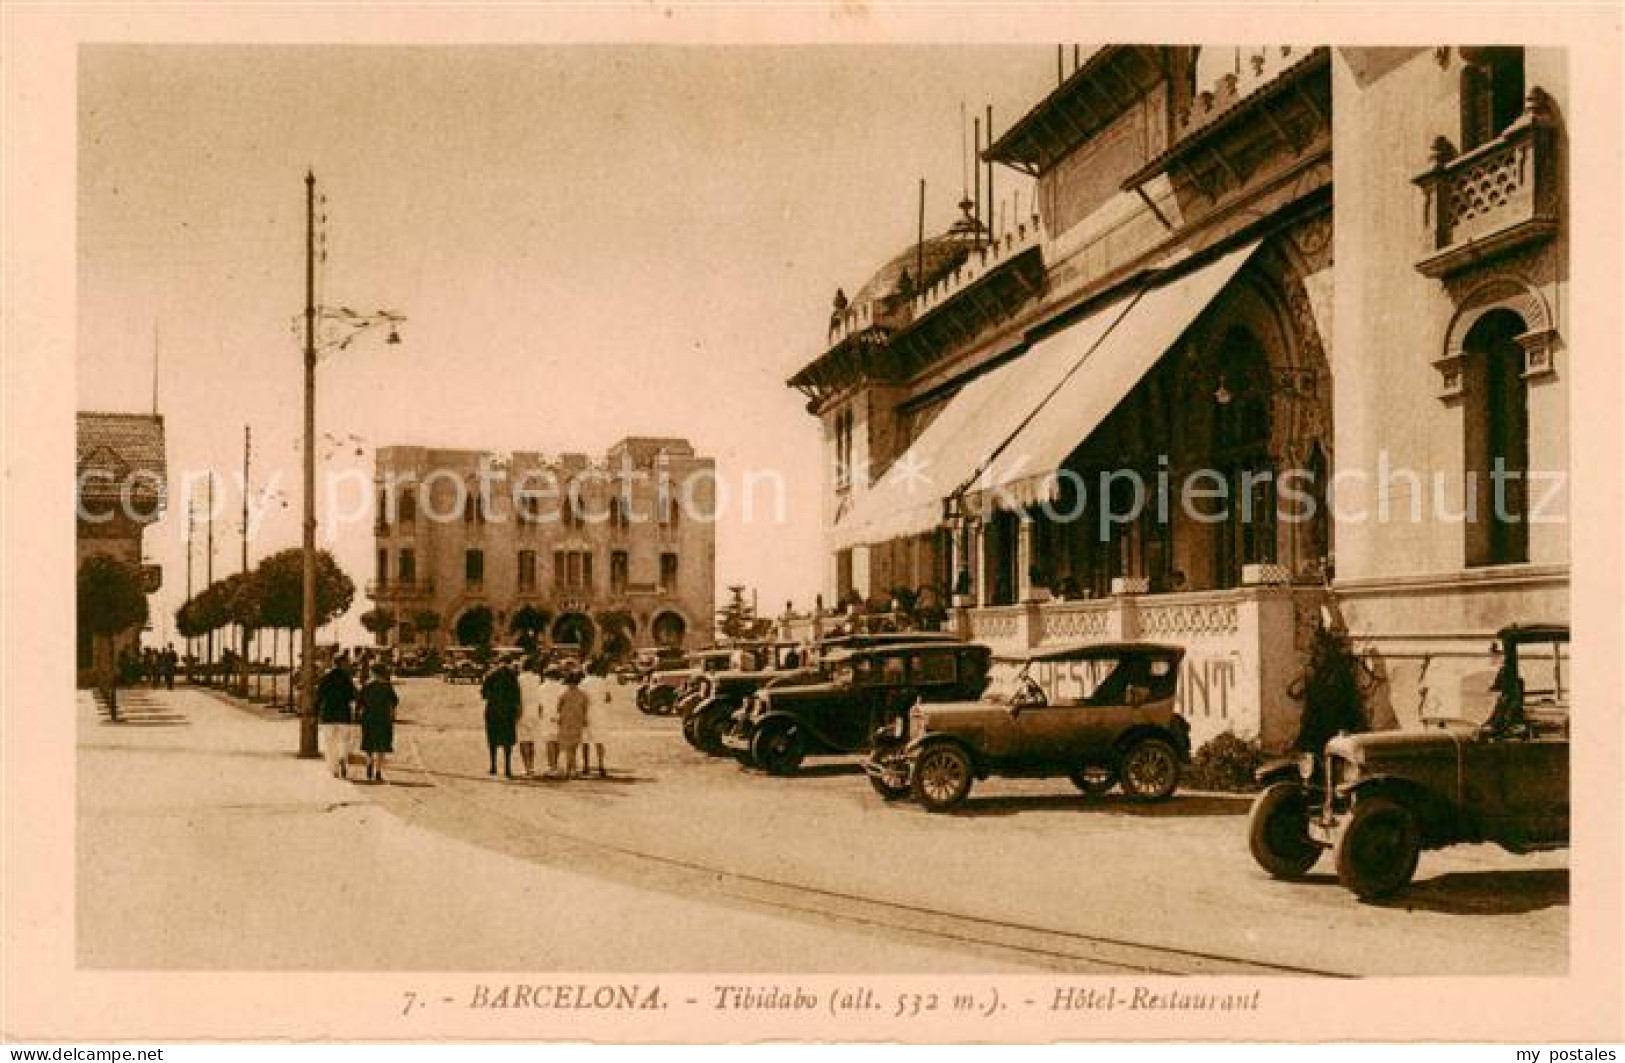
(1163, 322)
(122, 486)
(605, 555)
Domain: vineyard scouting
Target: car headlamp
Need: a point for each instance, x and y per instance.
(1306, 766)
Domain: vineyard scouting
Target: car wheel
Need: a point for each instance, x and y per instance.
(1093, 779)
(709, 727)
(691, 731)
(942, 778)
(661, 701)
(1378, 849)
(777, 748)
(886, 784)
(1150, 770)
(1278, 831)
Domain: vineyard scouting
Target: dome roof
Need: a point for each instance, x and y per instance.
(941, 254)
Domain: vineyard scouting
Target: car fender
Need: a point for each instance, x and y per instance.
(1277, 769)
(1435, 818)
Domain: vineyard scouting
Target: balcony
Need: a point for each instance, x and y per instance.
(1497, 198)
(400, 590)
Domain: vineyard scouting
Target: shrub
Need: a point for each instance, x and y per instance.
(1225, 763)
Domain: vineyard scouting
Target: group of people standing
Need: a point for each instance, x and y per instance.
(349, 701)
(154, 666)
(547, 704)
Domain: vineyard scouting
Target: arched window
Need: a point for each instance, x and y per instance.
(1492, 93)
(409, 506)
(1495, 401)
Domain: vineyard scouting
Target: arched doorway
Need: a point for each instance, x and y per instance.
(1240, 453)
(1495, 406)
(475, 626)
(669, 629)
(574, 629)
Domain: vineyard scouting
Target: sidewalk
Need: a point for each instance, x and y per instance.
(204, 843)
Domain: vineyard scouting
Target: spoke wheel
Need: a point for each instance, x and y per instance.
(1278, 831)
(942, 778)
(888, 785)
(709, 726)
(1151, 770)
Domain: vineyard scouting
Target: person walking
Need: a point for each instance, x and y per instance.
(572, 715)
(335, 699)
(378, 702)
(500, 689)
(171, 663)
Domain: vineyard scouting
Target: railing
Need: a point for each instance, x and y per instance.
(413, 588)
(1062, 622)
(980, 262)
(996, 623)
(1499, 196)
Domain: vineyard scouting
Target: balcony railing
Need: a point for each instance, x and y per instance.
(421, 587)
(1498, 197)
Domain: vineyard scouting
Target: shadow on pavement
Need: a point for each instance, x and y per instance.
(1111, 804)
(1485, 892)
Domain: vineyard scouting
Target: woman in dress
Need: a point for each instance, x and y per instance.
(572, 714)
(378, 701)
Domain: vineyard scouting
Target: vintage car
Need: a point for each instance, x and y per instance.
(1378, 799)
(663, 688)
(861, 690)
(1100, 715)
(462, 664)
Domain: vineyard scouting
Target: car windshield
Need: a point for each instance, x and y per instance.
(1100, 680)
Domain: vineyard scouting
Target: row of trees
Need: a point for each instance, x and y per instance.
(270, 598)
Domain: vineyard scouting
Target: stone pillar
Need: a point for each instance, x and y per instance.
(1024, 560)
(980, 563)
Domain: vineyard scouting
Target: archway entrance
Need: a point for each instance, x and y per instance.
(1496, 444)
(669, 629)
(475, 627)
(574, 629)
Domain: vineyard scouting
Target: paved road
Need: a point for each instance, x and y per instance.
(194, 816)
(1030, 873)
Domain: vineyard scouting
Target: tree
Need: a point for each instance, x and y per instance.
(1332, 688)
(379, 623)
(528, 622)
(241, 601)
(616, 627)
(426, 621)
(738, 620)
(282, 592)
(475, 627)
(111, 599)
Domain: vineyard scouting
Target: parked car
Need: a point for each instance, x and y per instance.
(418, 662)
(462, 665)
(663, 688)
(1378, 799)
(722, 695)
(861, 691)
(1101, 715)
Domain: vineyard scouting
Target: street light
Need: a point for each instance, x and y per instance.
(343, 325)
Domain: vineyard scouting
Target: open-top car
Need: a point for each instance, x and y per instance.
(860, 691)
(1101, 715)
(1378, 799)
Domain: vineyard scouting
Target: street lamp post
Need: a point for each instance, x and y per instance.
(355, 323)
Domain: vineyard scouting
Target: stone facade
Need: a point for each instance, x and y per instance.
(623, 542)
(1351, 331)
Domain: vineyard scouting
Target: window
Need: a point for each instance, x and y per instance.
(383, 566)
(474, 567)
(586, 571)
(572, 569)
(617, 512)
(474, 511)
(934, 668)
(1492, 93)
(530, 507)
(668, 573)
(1496, 421)
(558, 568)
(383, 513)
(409, 506)
(527, 570)
(843, 449)
(408, 568)
(619, 568)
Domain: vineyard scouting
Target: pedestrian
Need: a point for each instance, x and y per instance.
(171, 663)
(572, 720)
(335, 698)
(594, 686)
(530, 720)
(547, 709)
(378, 702)
(500, 689)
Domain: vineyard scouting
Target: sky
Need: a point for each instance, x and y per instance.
(587, 241)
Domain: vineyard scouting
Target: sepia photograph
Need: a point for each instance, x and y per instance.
(706, 539)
